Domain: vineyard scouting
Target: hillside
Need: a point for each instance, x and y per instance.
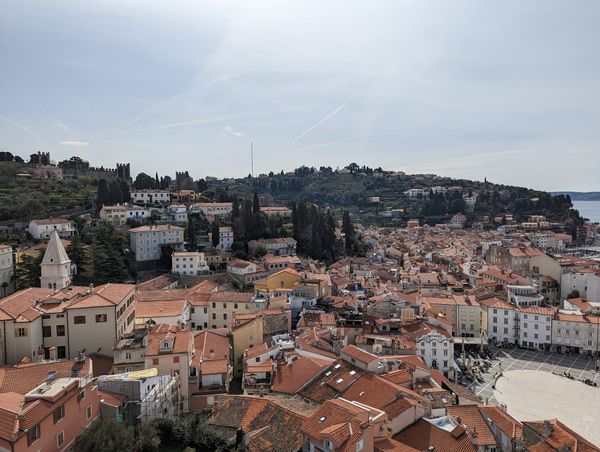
(355, 192)
(22, 199)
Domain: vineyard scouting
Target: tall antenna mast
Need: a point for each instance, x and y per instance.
(252, 159)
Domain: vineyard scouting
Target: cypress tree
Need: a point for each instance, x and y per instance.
(215, 234)
(255, 204)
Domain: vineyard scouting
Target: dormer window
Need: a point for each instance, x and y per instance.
(165, 345)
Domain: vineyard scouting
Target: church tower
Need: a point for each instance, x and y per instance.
(56, 265)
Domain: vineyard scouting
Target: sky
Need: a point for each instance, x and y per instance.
(505, 90)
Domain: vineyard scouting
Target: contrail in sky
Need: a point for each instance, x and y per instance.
(321, 121)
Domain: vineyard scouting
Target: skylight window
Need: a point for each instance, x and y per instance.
(322, 418)
(339, 380)
(328, 373)
(337, 366)
(352, 372)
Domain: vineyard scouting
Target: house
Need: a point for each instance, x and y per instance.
(141, 395)
(177, 213)
(442, 433)
(275, 211)
(45, 406)
(266, 423)
(276, 247)
(189, 263)
(553, 435)
(279, 283)
(225, 238)
(436, 347)
(212, 210)
(246, 331)
(118, 214)
(42, 229)
(7, 284)
(245, 273)
(150, 196)
(343, 425)
(210, 371)
(146, 242)
(170, 350)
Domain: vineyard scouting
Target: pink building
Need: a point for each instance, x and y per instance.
(45, 406)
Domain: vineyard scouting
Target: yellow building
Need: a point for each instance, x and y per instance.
(283, 281)
(246, 332)
(115, 215)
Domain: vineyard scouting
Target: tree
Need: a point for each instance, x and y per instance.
(147, 437)
(116, 194)
(201, 185)
(143, 181)
(255, 204)
(28, 271)
(215, 234)
(104, 195)
(105, 434)
(349, 232)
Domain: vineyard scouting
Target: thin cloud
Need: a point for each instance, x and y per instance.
(321, 121)
(22, 127)
(77, 143)
(229, 131)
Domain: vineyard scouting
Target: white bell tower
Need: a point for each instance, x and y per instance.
(56, 265)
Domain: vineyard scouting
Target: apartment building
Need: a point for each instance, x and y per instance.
(575, 333)
(118, 215)
(146, 242)
(189, 263)
(535, 327)
(177, 213)
(585, 281)
(524, 295)
(502, 323)
(45, 406)
(150, 196)
(469, 316)
(42, 229)
(437, 350)
(223, 305)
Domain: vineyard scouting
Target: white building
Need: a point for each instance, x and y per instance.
(137, 213)
(42, 229)
(415, 193)
(212, 210)
(585, 281)
(177, 213)
(188, 263)
(470, 202)
(502, 320)
(6, 270)
(56, 265)
(225, 238)
(535, 327)
(150, 196)
(437, 351)
(147, 241)
(524, 296)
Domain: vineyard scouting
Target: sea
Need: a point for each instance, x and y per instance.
(588, 209)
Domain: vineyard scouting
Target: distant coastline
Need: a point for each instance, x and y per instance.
(579, 195)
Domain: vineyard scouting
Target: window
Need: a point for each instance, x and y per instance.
(60, 330)
(88, 412)
(175, 359)
(33, 434)
(127, 355)
(59, 413)
(214, 316)
(155, 361)
(47, 331)
(60, 439)
(79, 319)
(225, 316)
(21, 332)
(101, 318)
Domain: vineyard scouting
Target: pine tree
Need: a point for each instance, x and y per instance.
(104, 197)
(215, 234)
(255, 204)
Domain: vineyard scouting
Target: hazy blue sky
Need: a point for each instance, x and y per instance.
(509, 90)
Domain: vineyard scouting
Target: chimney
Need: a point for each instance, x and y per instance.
(458, 420)
(547, 428)
(21, 422)
(474, 437)
(53, 351)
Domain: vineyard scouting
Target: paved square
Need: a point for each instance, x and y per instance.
(579, 366)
